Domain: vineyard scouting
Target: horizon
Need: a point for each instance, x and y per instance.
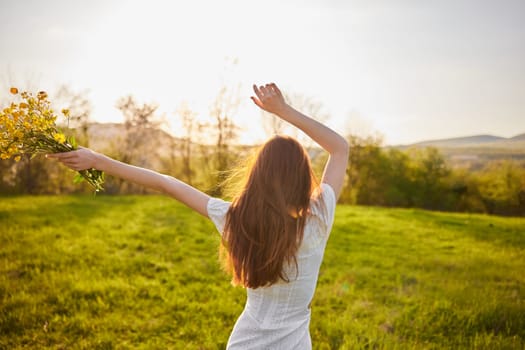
(411, 72)
(499, 137)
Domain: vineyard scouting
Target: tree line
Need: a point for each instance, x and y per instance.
(205, 153)
(423, 178)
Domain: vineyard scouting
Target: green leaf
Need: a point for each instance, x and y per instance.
(73, 142)
(78, 178)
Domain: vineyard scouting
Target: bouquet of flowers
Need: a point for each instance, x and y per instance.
(28, 127)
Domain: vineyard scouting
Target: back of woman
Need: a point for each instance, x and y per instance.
(274, 232)
(278, 316)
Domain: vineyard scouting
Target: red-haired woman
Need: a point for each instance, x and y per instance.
(275, 230)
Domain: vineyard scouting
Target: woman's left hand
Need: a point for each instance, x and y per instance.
(269, 98)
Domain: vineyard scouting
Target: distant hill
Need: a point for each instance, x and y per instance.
(520, 137)
(474, 152)
(155, 143)
(476, 141)
(107, 136)
(153, 146)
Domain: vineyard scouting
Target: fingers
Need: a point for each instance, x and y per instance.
(69, 164)
(276, 90)
(258, 93)
(73, 164)
(265, 91)
(257, 101)
(70, 159)
(63, 155)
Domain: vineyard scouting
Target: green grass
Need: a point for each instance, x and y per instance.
(133, 272)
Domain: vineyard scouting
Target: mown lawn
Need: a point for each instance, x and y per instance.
(142, 272)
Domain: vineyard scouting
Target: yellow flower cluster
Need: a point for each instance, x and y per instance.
(28, 127)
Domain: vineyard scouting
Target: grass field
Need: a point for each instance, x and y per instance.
(135, 272)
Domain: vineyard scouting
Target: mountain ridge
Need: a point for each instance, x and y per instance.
(477, 141)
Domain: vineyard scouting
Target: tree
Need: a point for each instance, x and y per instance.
(398, 185)
(224, 131)
(502, 188)
(429, 173)
(141, 142)
(189, 126)
(464, 191)
(363, 171)
(390, 177)
(183, 146)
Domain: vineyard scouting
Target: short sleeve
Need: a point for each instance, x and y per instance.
(217, 210)
(323, 204)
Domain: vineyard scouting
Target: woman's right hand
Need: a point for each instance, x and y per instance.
(269, 98)
(80, 159)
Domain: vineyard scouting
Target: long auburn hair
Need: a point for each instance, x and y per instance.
(265, 223)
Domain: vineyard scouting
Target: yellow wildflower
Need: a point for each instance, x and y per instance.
(28, 127)
(59, 137)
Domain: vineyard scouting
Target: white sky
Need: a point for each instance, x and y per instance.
(411, 70)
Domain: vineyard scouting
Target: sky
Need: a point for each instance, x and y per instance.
(407, 70)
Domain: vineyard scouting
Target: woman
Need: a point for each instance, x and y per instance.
(275, 230)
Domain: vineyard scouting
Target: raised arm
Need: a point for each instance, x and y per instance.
(270, 99)
(85, 158)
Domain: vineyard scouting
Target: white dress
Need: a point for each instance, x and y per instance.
(278, 316)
